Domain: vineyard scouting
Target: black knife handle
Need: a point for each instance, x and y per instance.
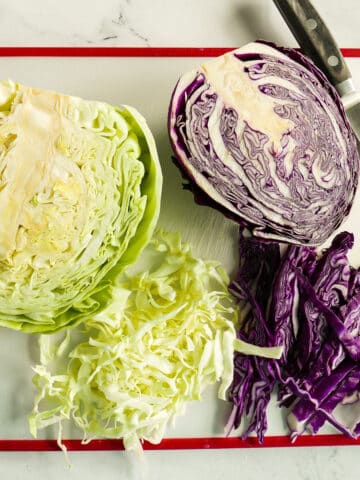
(314, 38)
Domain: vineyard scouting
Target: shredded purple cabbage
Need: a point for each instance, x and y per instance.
(310, 304)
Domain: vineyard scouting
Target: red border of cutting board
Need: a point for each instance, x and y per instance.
(190, 443)
(27, 445)
(83, 51)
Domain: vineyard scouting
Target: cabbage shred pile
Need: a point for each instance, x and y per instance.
(168, 332)
(310, 305)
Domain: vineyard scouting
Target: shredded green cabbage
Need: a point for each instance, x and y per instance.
(167, 334)
(249, 349)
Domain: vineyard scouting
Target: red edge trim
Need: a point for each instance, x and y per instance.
(181, 443)
(99, 51)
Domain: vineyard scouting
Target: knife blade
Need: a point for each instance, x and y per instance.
(317, 42)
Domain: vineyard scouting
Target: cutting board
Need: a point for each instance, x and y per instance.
(143, 78)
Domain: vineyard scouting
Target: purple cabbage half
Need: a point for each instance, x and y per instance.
(310, 305)
(262, 136)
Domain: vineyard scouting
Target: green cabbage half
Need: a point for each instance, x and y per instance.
(80, 188)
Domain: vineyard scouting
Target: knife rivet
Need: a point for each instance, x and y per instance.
(311, 23)
(333, 61)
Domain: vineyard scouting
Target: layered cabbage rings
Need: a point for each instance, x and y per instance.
(260, 134)
(80, 187)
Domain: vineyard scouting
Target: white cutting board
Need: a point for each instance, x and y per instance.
(145, 83)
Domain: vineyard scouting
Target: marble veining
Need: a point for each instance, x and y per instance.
(118, 28)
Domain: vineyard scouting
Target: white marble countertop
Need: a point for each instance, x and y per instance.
(161, 22)
(198, 23)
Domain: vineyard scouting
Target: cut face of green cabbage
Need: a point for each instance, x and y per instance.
(80, 187)
(167, 334)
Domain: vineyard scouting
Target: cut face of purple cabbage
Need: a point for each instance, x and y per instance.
(310, 304)
(261, 135)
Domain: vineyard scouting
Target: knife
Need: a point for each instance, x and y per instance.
(317, 42)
